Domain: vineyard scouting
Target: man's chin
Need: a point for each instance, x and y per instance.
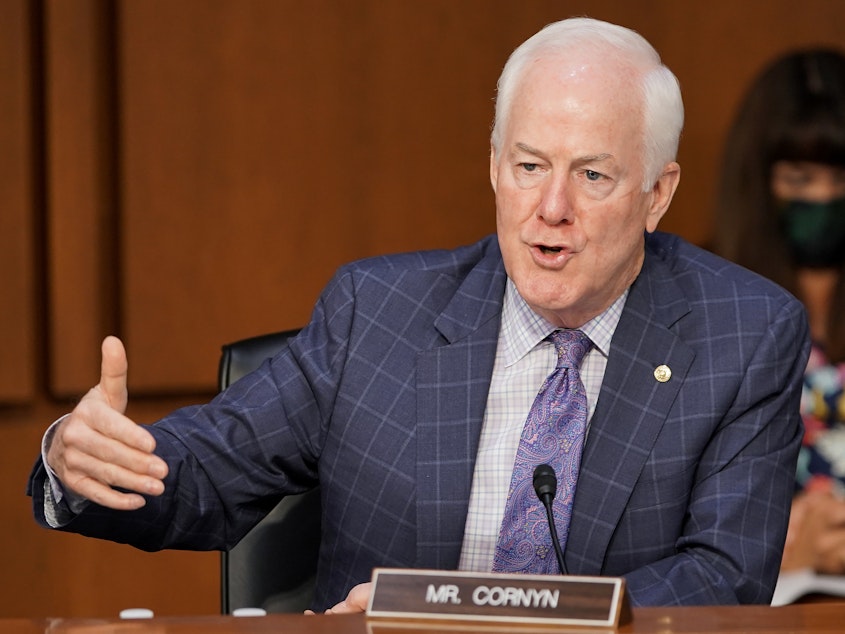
(554, 310)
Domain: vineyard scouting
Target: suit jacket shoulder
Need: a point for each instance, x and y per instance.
(703, 273)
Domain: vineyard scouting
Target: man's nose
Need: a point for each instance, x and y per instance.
(555, 207)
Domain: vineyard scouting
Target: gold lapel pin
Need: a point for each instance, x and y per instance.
(662, 373)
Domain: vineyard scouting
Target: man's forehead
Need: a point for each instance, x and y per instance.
(573, 111)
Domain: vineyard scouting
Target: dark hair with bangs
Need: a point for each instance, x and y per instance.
(811, 122)
(794, 111)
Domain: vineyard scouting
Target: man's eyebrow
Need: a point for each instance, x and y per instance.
(589, 158)
(527, 148)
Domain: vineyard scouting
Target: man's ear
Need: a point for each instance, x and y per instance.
(494, 168)
(662, 193)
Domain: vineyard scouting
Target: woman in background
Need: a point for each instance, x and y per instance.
(781, 212)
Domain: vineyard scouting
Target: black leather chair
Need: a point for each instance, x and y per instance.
(274, 566)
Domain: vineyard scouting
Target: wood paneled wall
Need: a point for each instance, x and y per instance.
(188, 172)
(18, 209)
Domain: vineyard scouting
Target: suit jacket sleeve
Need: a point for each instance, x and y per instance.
(346, 406)
(232, 459)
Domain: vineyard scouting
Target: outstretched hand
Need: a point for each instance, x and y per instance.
(97, 448)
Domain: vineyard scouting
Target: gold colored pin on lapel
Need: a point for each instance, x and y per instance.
(662, 373)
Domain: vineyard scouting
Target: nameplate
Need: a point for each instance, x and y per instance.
(513, 598)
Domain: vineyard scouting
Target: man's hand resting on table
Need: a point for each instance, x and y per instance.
(97, 448)
(355, 601)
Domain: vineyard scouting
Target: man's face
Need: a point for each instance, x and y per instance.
(570, 209)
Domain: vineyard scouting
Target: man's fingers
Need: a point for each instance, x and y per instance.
(96, 449)
(111, 460)
(106, 496)
(359, 596)
(93, 423)
(87, 482)
(114, 369)
(356, 600)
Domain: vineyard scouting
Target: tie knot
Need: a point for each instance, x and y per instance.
(571, 346)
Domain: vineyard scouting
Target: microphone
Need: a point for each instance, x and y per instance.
(545, 486)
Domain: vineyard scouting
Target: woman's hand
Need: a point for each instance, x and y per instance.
(816, 535)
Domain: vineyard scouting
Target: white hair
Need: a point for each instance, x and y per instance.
(662, 104)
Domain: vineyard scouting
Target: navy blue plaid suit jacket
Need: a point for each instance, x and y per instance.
(685, 485)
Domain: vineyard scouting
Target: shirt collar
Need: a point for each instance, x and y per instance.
(523, 329)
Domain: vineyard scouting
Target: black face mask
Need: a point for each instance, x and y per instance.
(815, 232)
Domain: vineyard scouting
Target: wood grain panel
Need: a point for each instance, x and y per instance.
(272, 142)
(18, 220)
(79, 155)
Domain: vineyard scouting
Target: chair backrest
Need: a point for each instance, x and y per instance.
(274, 566)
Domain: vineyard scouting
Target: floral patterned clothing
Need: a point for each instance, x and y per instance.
(821, 462)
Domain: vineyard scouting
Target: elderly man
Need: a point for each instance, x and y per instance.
(670, 411)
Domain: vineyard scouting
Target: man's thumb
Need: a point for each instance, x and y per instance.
(113, 372)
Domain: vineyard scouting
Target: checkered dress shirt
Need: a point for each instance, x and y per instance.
(523, 361)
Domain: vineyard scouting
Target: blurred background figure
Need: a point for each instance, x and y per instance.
(781, 213)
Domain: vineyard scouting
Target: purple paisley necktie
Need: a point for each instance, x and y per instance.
(553, 434)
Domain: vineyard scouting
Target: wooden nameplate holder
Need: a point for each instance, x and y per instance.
(539, 600)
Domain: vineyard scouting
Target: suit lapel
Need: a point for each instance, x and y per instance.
(632, 407)
(452, 384)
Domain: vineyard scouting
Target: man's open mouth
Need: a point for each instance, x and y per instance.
(547, 250)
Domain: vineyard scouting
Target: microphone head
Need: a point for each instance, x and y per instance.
(545, 481)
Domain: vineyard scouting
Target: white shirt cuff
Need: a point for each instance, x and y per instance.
(60, 506)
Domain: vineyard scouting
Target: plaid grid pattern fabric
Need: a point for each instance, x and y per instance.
(684, 486)
(553, 434)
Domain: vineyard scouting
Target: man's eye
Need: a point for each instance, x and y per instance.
(529, 167)
(592, 175)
